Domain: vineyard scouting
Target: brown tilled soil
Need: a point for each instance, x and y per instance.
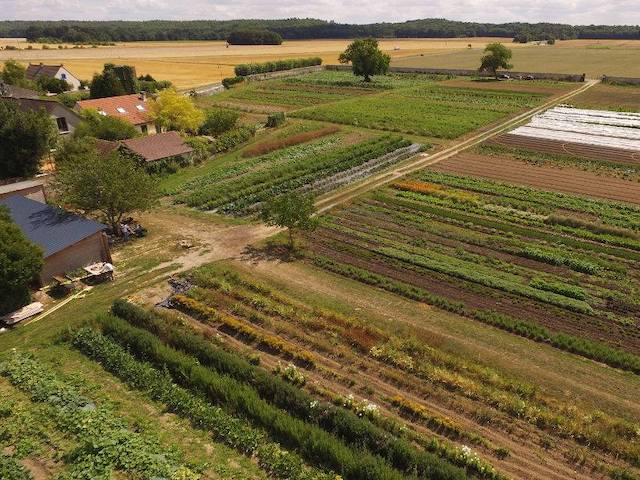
(568, 180)
(511, 86)
(555, 147)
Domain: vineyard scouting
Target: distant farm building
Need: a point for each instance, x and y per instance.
(11, 91)
(38, 70)
(131, 108)
(69, 241)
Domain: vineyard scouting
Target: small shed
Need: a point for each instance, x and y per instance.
(69, 241)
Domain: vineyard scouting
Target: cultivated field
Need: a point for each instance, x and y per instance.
(477, 319)
(593, 57)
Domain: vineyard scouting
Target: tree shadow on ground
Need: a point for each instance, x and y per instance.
(271, 251)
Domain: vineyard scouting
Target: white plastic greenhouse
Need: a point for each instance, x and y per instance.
(591, 127)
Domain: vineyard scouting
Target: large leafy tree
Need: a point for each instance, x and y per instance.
(173, 111)
(25, 136)
(292, 211)
(104, 127)
(113, 81)
(219, 120)
(496, 56)
(111, 185)
(20, 263)
(366, 58)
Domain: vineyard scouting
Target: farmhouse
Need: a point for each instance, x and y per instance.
(66, 119)
(38, 70)
(131, 108)
(68, 241)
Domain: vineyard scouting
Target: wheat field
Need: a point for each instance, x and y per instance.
(191, 63)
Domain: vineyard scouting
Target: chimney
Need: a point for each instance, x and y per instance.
(143, 95)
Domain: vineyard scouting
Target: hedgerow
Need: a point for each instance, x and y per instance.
(344, 424)
(245, 69)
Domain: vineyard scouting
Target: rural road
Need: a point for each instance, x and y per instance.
(418, 162)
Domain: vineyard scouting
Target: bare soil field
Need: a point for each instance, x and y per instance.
(593, 57)
(570, 180)
(203, 62)
(610, 97)
(539, 87)
(605, 154)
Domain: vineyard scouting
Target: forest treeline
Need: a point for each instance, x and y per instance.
(115, 31)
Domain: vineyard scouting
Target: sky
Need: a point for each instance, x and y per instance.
(583, 12)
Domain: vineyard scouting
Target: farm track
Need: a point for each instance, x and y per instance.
(524, 462)
(603, 154)
(424, 160)
(568, 180)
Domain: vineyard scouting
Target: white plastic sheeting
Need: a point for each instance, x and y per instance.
(591, 127)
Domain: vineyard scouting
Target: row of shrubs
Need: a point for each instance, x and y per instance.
(314, 444)
(245, 69)
(247, 332)
(159, 386)
(342, 423)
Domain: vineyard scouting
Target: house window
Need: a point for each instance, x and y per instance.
(121, 110)
(63, 76)
(144, 129)
(62, 124)
(140, 107)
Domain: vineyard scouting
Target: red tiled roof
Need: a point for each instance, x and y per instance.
(129, 105)
(157, 147)
(35, 70)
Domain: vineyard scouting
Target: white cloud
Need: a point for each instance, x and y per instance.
(564, 11)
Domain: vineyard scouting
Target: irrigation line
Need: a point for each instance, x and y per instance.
(424, 160)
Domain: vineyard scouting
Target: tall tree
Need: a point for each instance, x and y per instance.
(111, 185)
(292, 211)
(26, 136)
(496, 56)
(104, 127)
(366, 58)
(20, 263)
(113, 81)
(173, 111)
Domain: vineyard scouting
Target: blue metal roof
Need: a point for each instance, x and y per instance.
(49, 227)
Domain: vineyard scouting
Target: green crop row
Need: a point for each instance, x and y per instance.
(342, 423)
(313, 443)
(613, 213)
(159, 386)
(96, 427)
(255, 186)
(587, 348)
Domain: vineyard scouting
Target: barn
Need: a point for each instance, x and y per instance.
(68, 241)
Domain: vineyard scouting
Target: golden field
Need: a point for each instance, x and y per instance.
(191, 63)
